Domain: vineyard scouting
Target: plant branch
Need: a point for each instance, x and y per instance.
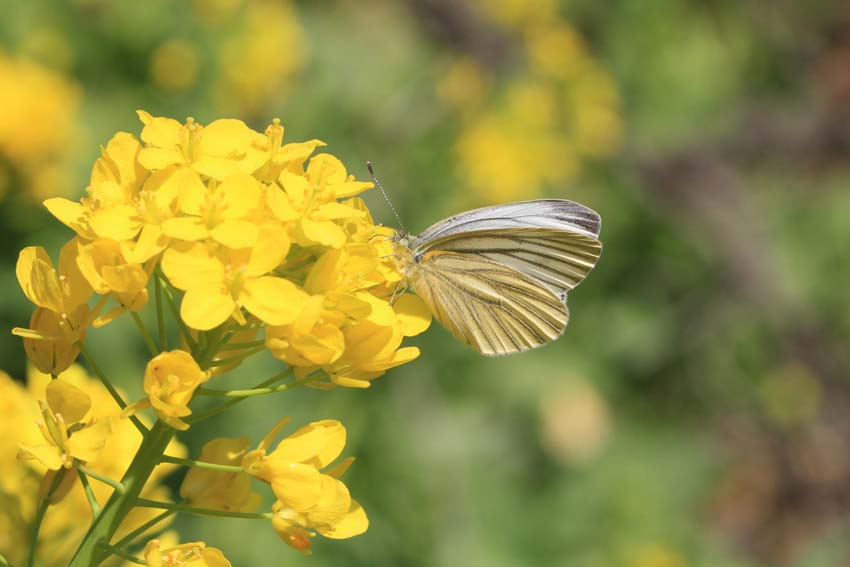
(145, 503)
(109, 387)
(201, 464)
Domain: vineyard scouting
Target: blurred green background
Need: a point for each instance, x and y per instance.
(697, 410)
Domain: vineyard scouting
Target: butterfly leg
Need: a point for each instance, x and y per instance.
(399, 289)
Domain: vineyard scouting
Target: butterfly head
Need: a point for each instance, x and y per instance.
(401, 239)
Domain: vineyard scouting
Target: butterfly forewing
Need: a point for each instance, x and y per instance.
(550, 214)
(558, 259)
(492, 307)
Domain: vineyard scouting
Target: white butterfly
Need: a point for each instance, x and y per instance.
(498, 277)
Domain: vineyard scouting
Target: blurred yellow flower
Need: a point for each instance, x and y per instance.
(38, 112)
(256, 62)
(308, 499)
(553, 113)
(174, 65)
(195, 554)
(171, 379)
(219, 490)
(68, 519)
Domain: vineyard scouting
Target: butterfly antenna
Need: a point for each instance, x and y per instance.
(384, 193)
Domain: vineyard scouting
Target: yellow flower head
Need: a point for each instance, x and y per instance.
(68, 437)
(194, 554)
(171, 379)
(218, 490)
(308, 499)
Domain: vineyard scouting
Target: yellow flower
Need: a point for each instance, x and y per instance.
(24, 481)
(218, 213)
(354, 338)
(218, 490)
(258, 61)
(218, 283)
(310, 200)
(109, 209)
(62, 315)
(104, 264)
(282, 156)
(215, 151)
(174, 65)
(62, 425)
(308, 499)
(39, 108)
(195, 554)
(171, 379)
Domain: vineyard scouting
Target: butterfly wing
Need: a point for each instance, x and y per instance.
(553, 241)
(558, 259)
(550, 214)
(492, 307)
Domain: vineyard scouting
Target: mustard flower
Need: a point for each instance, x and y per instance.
(308, 499)
(171, 379)
(218, 283)
(195, 554)
(62, 316)
(219, 490)
(67, 435)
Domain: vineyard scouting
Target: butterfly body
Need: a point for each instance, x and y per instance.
(497, 277)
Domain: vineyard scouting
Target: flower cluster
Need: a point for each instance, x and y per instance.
(555, 111)
(252, 245)
(252, 230)
(78, 422)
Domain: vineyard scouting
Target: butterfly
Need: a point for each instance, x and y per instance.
(497, 277)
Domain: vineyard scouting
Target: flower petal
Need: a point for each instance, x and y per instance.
(69, 401)
(414, 315)
(235, 233)
(206, 306)
(191, 264)
(87, 444)
(354, 523)
(275, 301)
(317, 444)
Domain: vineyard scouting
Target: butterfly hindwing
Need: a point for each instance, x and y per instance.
(490, 306)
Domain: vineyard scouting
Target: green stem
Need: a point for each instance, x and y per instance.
(3, 561)
(258, 391)
(169, 299)
(127, 539)
(230, 403)
(114, 550)
(211, 341)
(104, 479)
(119, 504)
(143, 502)
(240, 346)
(201, 464)
(39, 514)
(239, 357)
(145, 334)
(109, 387)
(95, 507)
(160, 316)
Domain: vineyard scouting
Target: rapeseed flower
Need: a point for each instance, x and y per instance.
(171, 379)
(252, 244)
(309, 501)
(220, 490)
(194, 554)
